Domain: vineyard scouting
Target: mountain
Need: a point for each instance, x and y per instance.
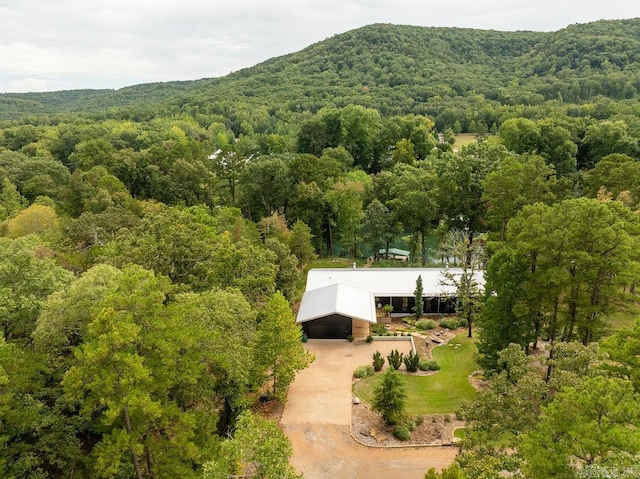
(396, 69)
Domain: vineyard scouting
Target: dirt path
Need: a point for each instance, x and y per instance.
(317, 418)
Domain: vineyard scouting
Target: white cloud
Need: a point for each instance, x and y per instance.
(114, 43)
(25, 85)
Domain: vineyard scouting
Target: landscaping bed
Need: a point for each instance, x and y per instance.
(432, 397)
(368, 428)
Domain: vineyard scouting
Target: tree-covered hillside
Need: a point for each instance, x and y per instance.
(395, 69)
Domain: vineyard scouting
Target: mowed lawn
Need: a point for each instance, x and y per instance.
(440, 393)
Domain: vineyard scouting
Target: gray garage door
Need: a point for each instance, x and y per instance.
(329, 327)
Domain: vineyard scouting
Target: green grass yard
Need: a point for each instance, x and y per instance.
(440, 393)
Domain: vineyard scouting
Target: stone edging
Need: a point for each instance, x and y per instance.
(397, 338)
(397, 446)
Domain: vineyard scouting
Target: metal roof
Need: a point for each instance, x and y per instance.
(395, 251)
(389, 282)
(337, 299)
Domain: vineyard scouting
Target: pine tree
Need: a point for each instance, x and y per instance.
(389, 398)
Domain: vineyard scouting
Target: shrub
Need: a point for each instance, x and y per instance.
(428, 365)
(411, 361)
(379, 329)
(395, 359)
(425, 324)
(369, 339)
(402, 432)
(378, 361)
(418, 420)
(350, 338)
(363, 371)
(450, 323)
(447, 418)
(463, 323)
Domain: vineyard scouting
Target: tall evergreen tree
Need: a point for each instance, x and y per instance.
(418, 292)
(389, 397)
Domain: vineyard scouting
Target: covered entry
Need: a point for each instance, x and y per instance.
(334, 326)
(336, 311)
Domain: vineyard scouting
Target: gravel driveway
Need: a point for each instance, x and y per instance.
(317, 419)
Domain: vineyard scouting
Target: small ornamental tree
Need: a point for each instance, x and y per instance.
(378, 361)
(395, 359)
(411, 361)
(419, 307)
(389, 398)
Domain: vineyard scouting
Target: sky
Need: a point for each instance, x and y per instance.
(48, 45)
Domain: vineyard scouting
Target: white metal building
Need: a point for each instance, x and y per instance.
(339, 302)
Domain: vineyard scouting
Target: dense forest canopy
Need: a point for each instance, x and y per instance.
(153, 239)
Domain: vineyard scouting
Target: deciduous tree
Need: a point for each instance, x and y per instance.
(281, 352)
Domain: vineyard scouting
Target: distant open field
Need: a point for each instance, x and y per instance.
(463, 139)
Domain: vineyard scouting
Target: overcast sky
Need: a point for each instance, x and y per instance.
(48, 45)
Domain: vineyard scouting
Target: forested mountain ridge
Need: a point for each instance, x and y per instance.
(396, 69)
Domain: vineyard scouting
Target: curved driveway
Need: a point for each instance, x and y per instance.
(317, 420)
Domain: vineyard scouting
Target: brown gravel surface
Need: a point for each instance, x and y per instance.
(327, 451)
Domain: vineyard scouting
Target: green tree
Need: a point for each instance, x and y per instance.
(264, 187)
(63, 323)
(312, 137)
(605, 138)
(281, 352)
(404, 152)
(417, 294)
(37, 437)
(580, 253)
(228, 164)
(225, 331)
(459, 184)
(379, 228)
(617, 173)
(129, 380)
(389, 397)
(505, 318)
(512, 185)
(557, 146)
(258, 448)
(300, 243)
(11, 201)
(470, 256)
(359, 127)
(288, 272)
(35, 219)
(180, 244)
(27, 276)
(520, 135)
(623, 348)
(346, 199)
(415, 200)
(595, 424)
